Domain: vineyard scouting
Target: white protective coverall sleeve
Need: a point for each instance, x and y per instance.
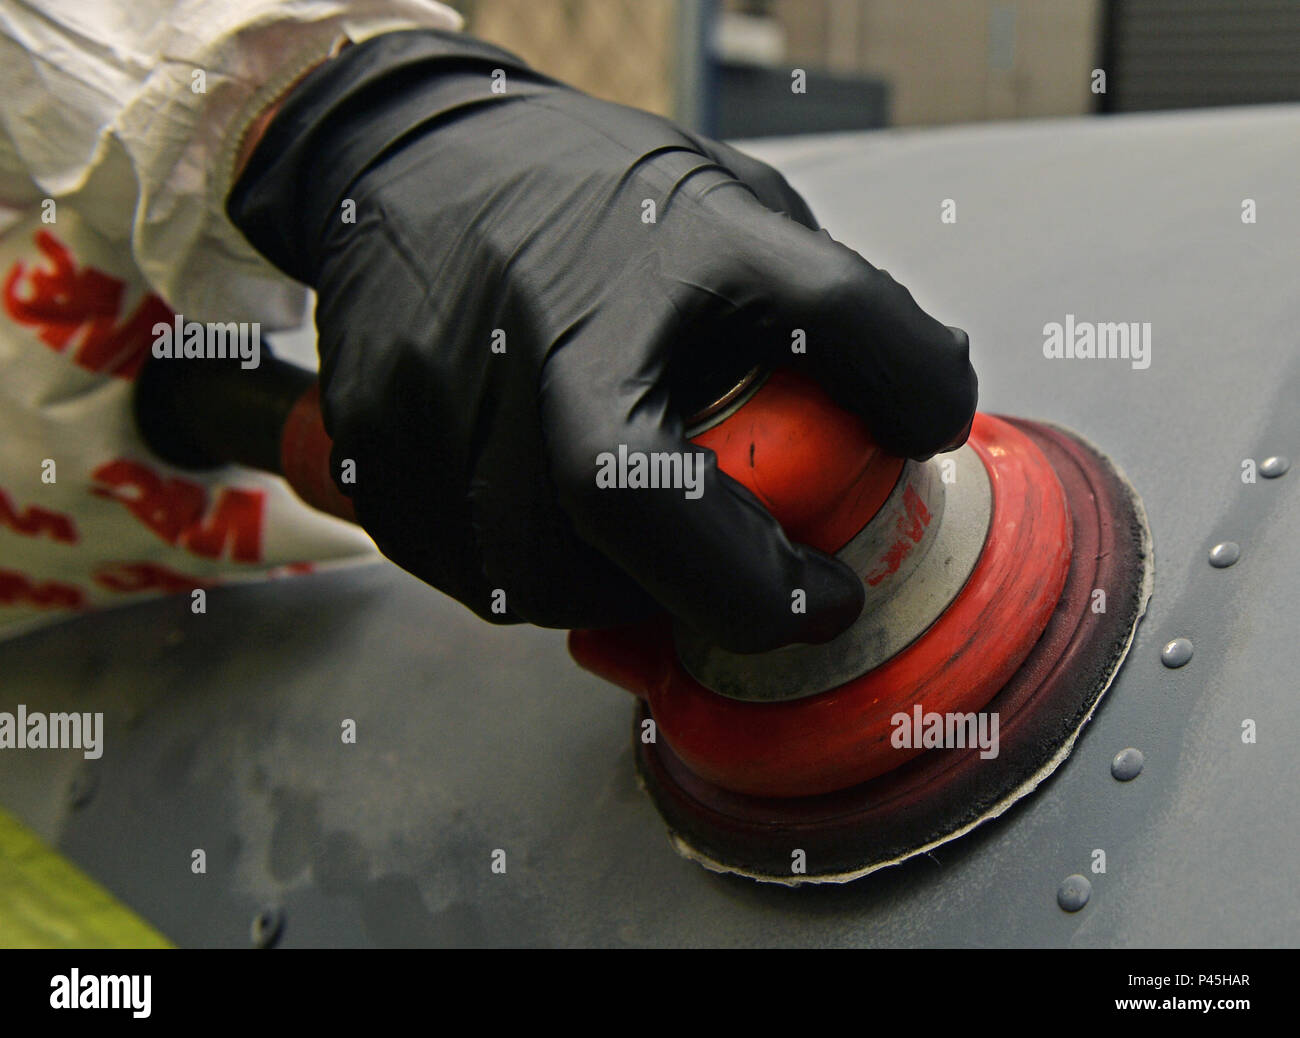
(119, 127)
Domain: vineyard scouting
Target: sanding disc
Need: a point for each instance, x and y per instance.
(944, 793)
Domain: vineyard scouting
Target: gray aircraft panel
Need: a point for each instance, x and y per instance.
(223, 730)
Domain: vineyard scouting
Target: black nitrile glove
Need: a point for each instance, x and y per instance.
(525, 214)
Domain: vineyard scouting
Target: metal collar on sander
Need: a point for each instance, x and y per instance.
(979, 568)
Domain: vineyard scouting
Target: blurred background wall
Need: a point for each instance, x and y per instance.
(726, 66)
(621, 50)
(954, 60)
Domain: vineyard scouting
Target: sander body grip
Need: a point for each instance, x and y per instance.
(812, 465)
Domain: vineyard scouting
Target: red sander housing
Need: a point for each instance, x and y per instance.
(1004, 584)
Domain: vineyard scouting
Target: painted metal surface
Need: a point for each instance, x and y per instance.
(222, 731)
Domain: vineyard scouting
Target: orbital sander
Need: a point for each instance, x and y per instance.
(1004, 584)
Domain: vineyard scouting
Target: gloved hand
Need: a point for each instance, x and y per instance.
(530, 279)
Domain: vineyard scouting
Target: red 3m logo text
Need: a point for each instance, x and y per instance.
(77, 309)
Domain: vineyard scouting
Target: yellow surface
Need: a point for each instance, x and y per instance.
(47, 902)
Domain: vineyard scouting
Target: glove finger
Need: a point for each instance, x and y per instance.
(659, 507)
(811, 302)
(533, 559)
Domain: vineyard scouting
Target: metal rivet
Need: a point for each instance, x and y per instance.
(1271, 468)
(1224, 555)
(1176, 653)
(1127, 764)
(84, 784)
(1073, 893)
(268, 924)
